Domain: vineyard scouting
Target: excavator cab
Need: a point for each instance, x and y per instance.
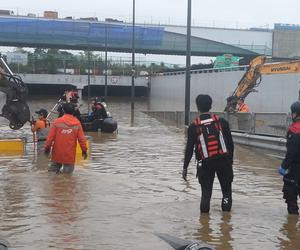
(15, 109)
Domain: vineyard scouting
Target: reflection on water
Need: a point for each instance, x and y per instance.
(218, 234)
(131, 187)
(290, 233)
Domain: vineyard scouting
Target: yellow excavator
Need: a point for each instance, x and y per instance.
(15, 108)
(252, 78)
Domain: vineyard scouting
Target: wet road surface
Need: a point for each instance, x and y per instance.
(131, 188)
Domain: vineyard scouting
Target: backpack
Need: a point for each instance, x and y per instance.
(210, 140)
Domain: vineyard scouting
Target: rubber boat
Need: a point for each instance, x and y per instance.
(182, 244)
(105, 123)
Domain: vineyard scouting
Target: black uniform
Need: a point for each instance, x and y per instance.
(206, 168)
(291, 162)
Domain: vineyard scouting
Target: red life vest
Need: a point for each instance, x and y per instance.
(294, 128)
(210, 140)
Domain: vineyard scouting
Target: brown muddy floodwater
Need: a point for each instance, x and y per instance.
(131, 188)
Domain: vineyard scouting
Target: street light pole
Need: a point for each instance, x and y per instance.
(133, 54)
(89, 80)
(188, 66)
(105, 88)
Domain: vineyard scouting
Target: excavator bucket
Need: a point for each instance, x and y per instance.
(15, 110)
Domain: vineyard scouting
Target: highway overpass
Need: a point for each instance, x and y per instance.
(117, 37)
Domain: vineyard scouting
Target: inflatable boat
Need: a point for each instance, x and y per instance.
(99, 120)
(107, 125)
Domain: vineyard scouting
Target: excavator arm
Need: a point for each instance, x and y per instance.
(15, 109)
(252, 78)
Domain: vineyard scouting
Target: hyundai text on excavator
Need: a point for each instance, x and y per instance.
(15, 110)
(252, 78)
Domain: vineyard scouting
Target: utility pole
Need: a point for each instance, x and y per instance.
(105, 88)
(89, 80)
(188, 66)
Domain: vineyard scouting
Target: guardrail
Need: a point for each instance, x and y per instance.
(260, 130)
(267, 123)
(273, 144)
(203, 71)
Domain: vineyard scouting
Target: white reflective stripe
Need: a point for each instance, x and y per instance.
(203, 146)
(206, 121)
(223, 145)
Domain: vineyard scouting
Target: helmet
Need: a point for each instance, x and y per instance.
(42, 112)
(295, 107)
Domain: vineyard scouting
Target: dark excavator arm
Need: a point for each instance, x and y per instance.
(15, 109)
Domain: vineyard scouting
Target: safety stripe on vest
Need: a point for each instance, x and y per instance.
(222, 141)
(203, 145)
(206, 121)
(63, 125)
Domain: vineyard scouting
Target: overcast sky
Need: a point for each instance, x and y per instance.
(217, 13)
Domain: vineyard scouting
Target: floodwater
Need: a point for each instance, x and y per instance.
(131, 188)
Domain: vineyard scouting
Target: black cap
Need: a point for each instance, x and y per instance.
(42, 112)
(69, 108)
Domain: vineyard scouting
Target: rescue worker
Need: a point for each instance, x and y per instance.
(210, 137)
(71, 95)
(98, 110)
(242, 106)
(74, 96)
(62, 138)
(290, 167)
(40, 129)
(41, 122)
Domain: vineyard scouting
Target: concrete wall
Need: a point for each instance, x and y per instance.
(257, 41)
(275, 93)
(82, 80)
(286, 43)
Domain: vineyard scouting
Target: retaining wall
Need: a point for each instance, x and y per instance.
(275, 93)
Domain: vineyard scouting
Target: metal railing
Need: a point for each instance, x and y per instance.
(269, 124)
(203, 71)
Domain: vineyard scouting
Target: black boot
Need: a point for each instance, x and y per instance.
(204, 205)
(226, 204)
(292, 207)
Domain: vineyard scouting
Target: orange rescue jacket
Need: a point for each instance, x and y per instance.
(63, 136)
(40, 124)
(243, 108)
